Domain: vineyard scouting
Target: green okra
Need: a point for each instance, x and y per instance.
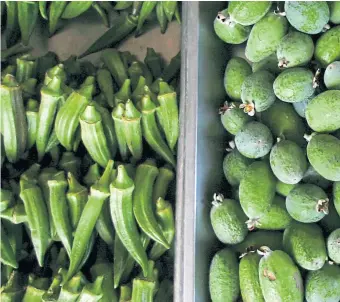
(7, 255)
(127, 58)
(6, 199)
(136, 6)
(32, 108)
(138, 93)
(56, 10)
(55, 71)
(121, 5)
(76, 198)
(143, 290)
(163, 180)
(123, 27)
(14, 235)
(104, 81)
(67, 120)
(135, 71)
(99, 192)
(59, 211)
(106, 5)
(43, 9)
(155, 85)
(53, 291)
(102, 13)
(142, 202)
(75, 9)
(167, 113)
(154, 62)
(89, 248)
(122, 216)
(60, 263)
(10, 69)
(165, 216)
(124, 93)
(100, 99)
(14, 117)
(93, 136)
(12, 24)
(14, 50)
(151, 94)
(169, 9)
(173, 68)
(145, 12)
(113, 61)
(15, 214)
(28, 12)
(70, 291)
(125, 293)
(178, 14)
(46, 62)
(29, 88)
(14, 289)
(35, 289)
(151, 132)
(54, 153)
(69, 162)
(104, 225)
(161, 16)
(92, 175)
(117, 115)
(92, 292)
(50, 96)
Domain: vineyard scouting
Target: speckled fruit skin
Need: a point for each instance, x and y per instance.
(248, 12)
(235, 73)
(249, 278)
(296, 49)
(313, 177)
(302, 201)
(284, 122)
(254, 140)
(231, 34)
(228, 221)
(333, 246)
(325, 105)
(334, 8)
(257, 189)
(336, 196)
(265, 37)
(323, 152)
(234, 119)
(332, 76)
(288, 162)
(300, 107)
(234, 167)
(327, 47)
(258, 88)
(305, 243)
(283, 189)
(280, 278)
(308, 17)
(294, 85)
(269, 63)
(223, 277)
(323, 285)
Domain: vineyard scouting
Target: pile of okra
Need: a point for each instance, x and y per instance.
(88, 159)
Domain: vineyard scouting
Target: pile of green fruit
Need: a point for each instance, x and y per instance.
(88, 156)
(282, 214)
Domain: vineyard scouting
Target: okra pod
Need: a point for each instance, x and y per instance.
(154, 62)
(7, 255)
(13, 290)
(121, 5)
(155, 85)
(55, 71)
(60, 263)
(104, 224)
(92, 292)
(117, 115)
(56, 10)
(70, 163)
(102, 13)
(136, 6)
(6, 199)
(125, 293)
(32, 108)
(14, 235)
(92, 175)
(15, 214)
(10, 69)
(12, 25)
(89, 248)
(151, 132)
(169, 9)
(145, 12)
(14, 50)
(143, 290)
(75, 9)
(173, 68)
(113, 61)
(35, 289)
(28, 12)
(99, 192)
(138, 93)
(135, 71)
(161, 17)
(43, 9)
(122, 216)
(70, 291)
(53, 291)
(45, 62)
(164, 178)
(104, 81)
(29, 88)
(178, 14)
(124, 93)
(55, 156)
(127, 58)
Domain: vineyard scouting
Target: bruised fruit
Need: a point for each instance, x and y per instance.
(248, 12)
(283, 188)
(254, 140)
(234, 167)
(229, 31)
(265, 36)
(294, 85)
(280, 278)
(257, 92)
(309, 17)
(332, 76)
(257, 189)
(269, 63)
(336, 196)
(223, 276)
(288, 162)
(307, 203)
(323, 152)
(313, 177)
(228, 220)
(235, 73)
(304, 242)
(333, 246)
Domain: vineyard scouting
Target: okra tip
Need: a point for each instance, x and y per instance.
(122, 180)
(9, 81)
(103, 183)
(161, 204)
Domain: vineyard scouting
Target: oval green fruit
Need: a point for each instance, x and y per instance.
(325, 105)
(248, 12)
(334, 7)
(254, 140)
(234, 167)
(257, 91)
(309, 17)
(333, 246)
(332, 75)
(313, 177)
(249, 278)
(295, 49)
(323, 152)
(280, 278)
(223, 277)
(304, 242)
(323, 285)
(331, 221)
(228, 31)
(257, 190)
(283, 188)
(300, 107)
(294, 85)
(228, 220)
(307, 203)
(336, 196)
(269, 63)
(327, 48)
(265, 37)
(288, 162)
(235, 73)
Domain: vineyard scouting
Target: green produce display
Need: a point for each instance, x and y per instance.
(281, 115)
(88, 160)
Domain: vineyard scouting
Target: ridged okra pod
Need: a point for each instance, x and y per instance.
(15, 236)
(113, 61)
(125, 293)
(138, 69)
(15, 214)
(55, 71)
(6, 199)
(7, 255)
(14, 289)
(53, 291)
(92, 175)
(13, 119)
(138, 93)
(56, 9)
(117, 115)
(70, 291)
(161, 17)
(69, 162)
(173, 68)
(124, 93)
(12, 25)
(163, 180)
(102, 13)
(26, 68)
(104, 81)
(35, 289)
(75, 9)
(92, 292)
(145, 12)
(154, 62)
(143, 290)
(32, 108)
(169, 9)
(122, 216)
(28, 12)
(104, 225)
